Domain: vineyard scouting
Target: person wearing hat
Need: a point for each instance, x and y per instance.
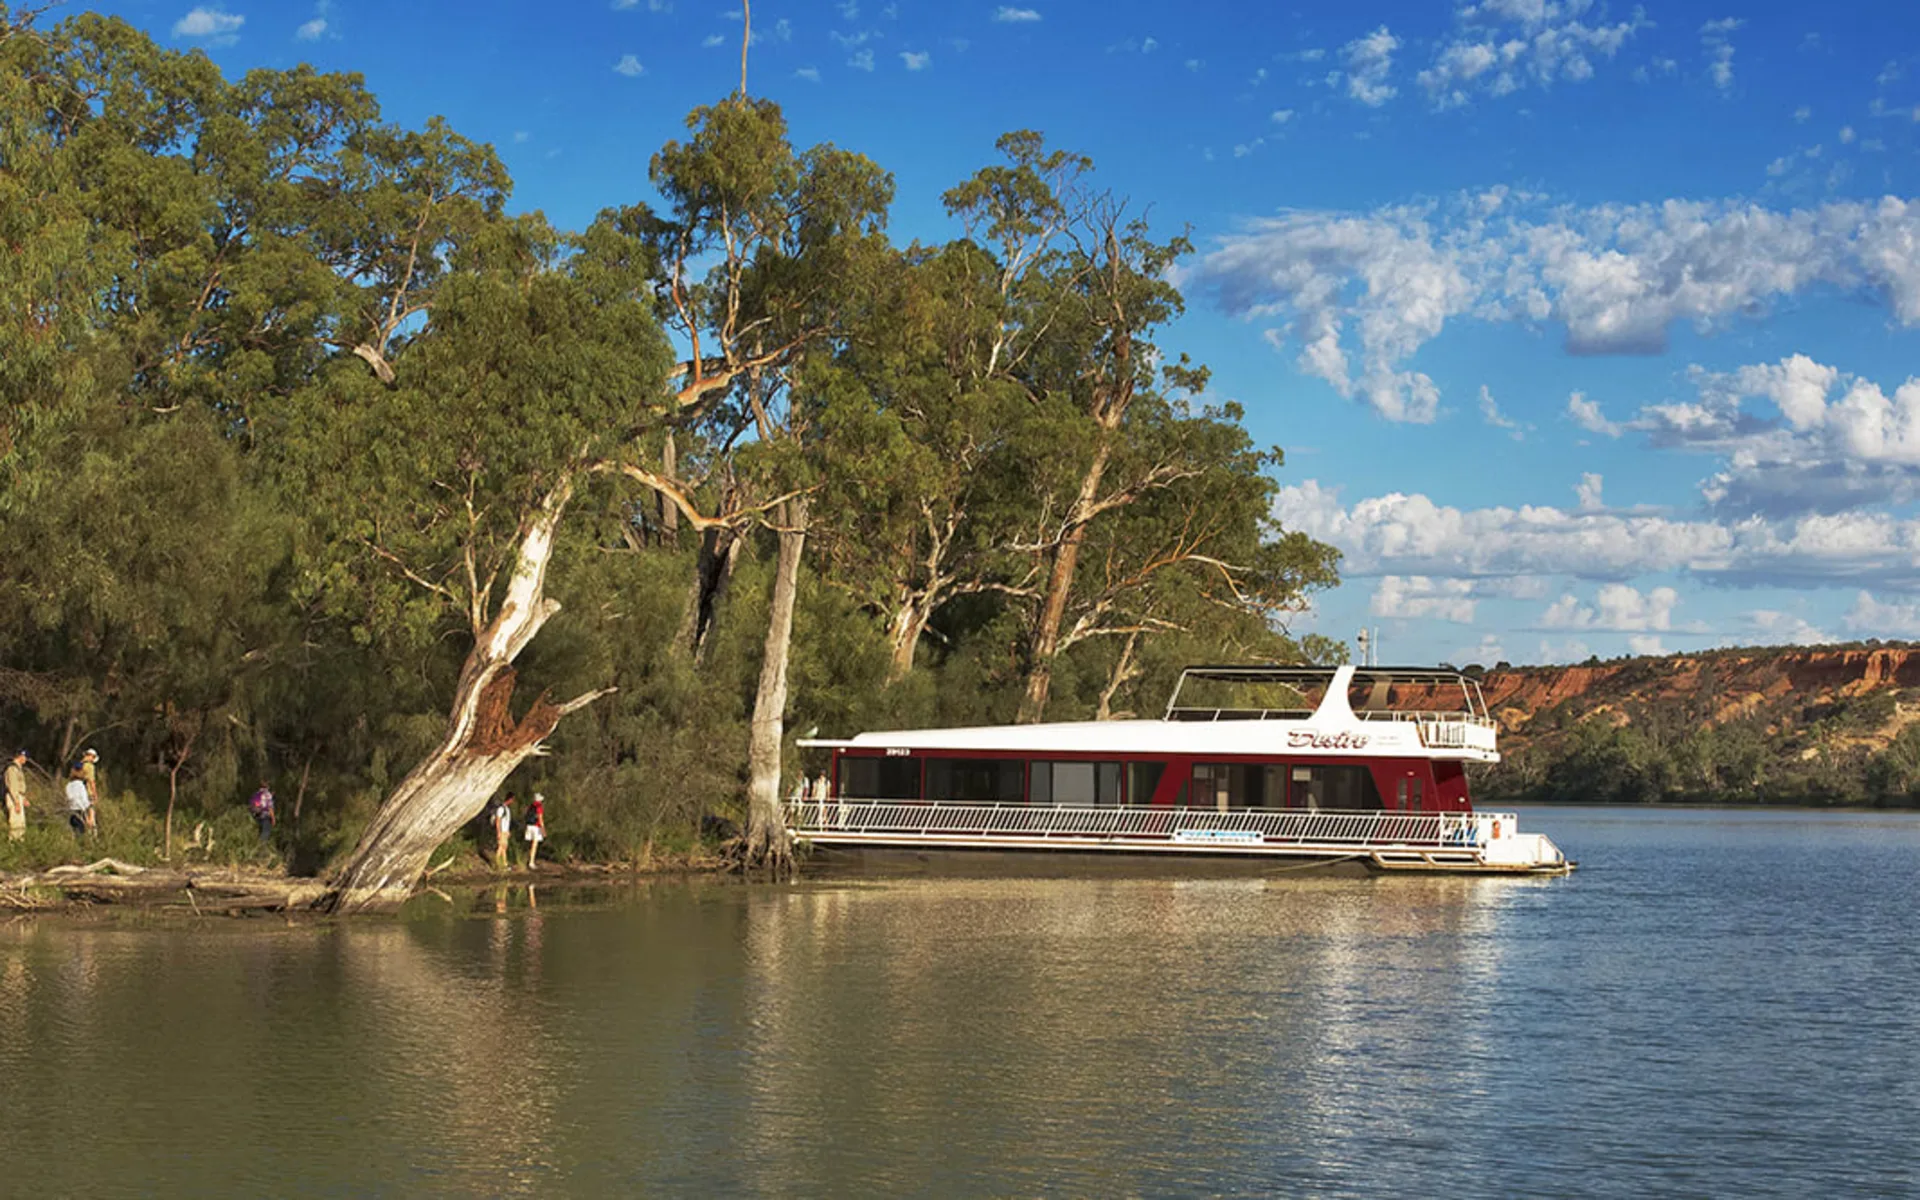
(536, 827)
(91, 777)
(17, 796)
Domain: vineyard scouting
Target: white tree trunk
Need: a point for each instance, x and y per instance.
(483, 742)
(768, 841)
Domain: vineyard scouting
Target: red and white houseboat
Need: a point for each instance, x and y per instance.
(1346, 764)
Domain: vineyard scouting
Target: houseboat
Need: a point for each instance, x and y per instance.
(1249, 766)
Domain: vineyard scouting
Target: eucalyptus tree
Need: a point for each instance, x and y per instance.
(440, 499)
(790, 243)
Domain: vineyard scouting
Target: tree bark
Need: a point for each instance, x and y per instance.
(1045, 642)
(768, 842)
(483, 742)
(712, 573)
(904, 630)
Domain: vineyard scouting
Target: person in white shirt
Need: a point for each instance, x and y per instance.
(79, 805)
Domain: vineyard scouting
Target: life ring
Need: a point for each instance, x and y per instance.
(1496, 829)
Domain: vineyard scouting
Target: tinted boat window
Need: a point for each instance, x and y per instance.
(982, 780)
(880, 778)
(1075, 783)
(1143, 779)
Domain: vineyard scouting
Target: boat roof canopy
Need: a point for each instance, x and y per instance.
(1277, 673)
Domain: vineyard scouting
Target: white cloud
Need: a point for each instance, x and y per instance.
(521, 137)
(1772, 627)
(656, 6)
(209, 23)
(1802, 115)
(1010, 15)
(1648, 644)
(1573, 650)
(1490, 412)
(1281, 116)
(1588, 492)
(629, 65)
(1502, 47)
(311, 30)
(1149, 45)
(1617, 608)
(1817, 440)
(712, 40)
(1488, 651)
(1419, 596)
(1874, 618)
(862, 60)
(810, 74)
(1400, 534)
(1615, 277)
(1587, 415)
(1846, 135)
(1369, 61)
(1716, 46)
(915, 61)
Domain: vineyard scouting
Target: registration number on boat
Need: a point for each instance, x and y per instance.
(1216, 835)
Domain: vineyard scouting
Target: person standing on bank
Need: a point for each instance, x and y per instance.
(17, 796)
(502, 830)
(79, 803)
(260, 804)
(90, 773)
(536, 827)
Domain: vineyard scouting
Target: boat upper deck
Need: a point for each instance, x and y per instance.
(1400, 712)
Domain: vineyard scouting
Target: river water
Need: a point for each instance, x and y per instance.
(1721, 1003)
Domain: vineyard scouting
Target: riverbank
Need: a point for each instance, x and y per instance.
(239, 891)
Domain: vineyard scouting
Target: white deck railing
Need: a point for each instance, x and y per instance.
(823, 819)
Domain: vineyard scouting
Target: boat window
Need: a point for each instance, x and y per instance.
(1346, 788)
(981, 780)
(1143, 779)
(880, 778)
(1229, 785)
(1076, 783)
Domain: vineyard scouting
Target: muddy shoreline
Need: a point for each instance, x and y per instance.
(110, 885)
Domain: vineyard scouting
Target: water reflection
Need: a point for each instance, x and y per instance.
(1704, 1008)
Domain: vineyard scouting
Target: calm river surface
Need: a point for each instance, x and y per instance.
(1717, 1003)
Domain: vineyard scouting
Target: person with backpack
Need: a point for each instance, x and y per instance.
(260, 804)
(79, 804)
(536, 827)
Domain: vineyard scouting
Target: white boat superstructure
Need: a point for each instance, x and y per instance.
(1324, 764)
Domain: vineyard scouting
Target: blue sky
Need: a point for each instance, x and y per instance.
(1588, 328)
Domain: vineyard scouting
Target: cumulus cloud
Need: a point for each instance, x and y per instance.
(1007, 14)
(1588, 492)
(1587, 415)
(862, 60)
(1617, 608)
(1870, 617)
(1369, 61)
(915, 61)
(310, 30)
(810, 74)
(1419, 596)
(1793, 437)
(1772, 627)
(629, 65)
(1502, 46)
(1617, 278)
(211, 23)
(1400, 534)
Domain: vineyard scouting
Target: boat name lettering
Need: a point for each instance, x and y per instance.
(1297, 738)
(899, 752)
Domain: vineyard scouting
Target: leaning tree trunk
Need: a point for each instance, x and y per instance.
(768, 842)
(483, 742)
(904, 629)
(1045, 642)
